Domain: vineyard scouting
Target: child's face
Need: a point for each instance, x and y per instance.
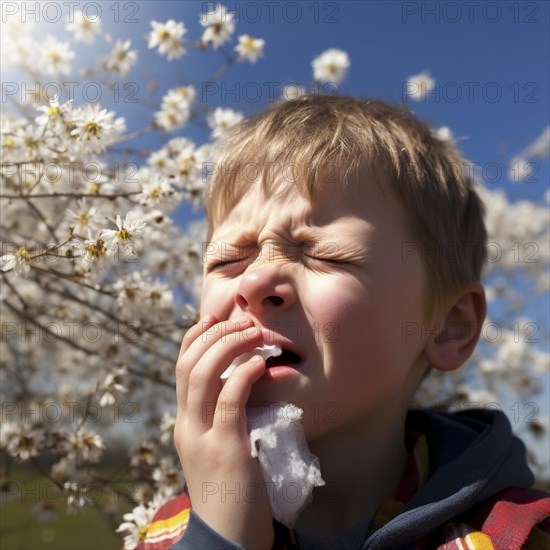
(346, 319)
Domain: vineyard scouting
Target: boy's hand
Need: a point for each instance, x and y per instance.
(224, 481)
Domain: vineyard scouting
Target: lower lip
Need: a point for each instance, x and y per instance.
(281, 371)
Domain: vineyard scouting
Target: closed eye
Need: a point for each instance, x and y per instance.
(218, 265)
(328, 260)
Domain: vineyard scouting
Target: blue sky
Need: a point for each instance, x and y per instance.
(490, 60)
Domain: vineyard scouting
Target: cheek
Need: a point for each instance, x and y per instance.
(216, 299)
(362, 329)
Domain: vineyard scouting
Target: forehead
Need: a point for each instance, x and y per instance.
(284, 210)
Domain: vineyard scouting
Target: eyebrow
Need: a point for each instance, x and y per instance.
(309, 234)
(304, 234)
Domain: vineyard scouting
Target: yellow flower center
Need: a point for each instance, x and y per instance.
(92, 128)
(26, 443)
(95, 250)
(131, 292)
(83, 219)
(155, 193)
(155, 296)
(249, 43)
(163, 35)
(123, 234)
(23, 253)
(54, 111)
(54, 56)
(94, 188)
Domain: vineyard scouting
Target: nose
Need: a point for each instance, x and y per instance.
(264, 286)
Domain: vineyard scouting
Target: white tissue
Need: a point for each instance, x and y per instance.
(290, 470)
(265, 351)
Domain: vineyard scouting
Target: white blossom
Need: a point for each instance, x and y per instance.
(444, 134)
(121, 58)
(19, 261)
(76, 496)
(84, 28)
(221, 119)
(94, 253)
(25, 441)
(138, 521)
(175, 108)
(129, 291)
(168, 475)
(160, 160)
(158, 296)
(143, 455)
(16, 43)
(125, 236)
(167, 425)
(186, 162)
(249, 48)
(84, 217)
(53, 115)
(220, 25)
(83, 446)
(293, 91)
(167, 37)
(155, 190)
(56, 56)
(539, 148)
(95, 128)
(112, 386)
(419, 85)
(331, 66)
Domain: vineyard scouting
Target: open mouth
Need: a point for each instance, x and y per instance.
(286, 358)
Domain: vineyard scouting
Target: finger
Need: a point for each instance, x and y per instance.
(205, 337)
(190, 336)
(205, 383)
(213, 334)
(204, 323)
(234, 396)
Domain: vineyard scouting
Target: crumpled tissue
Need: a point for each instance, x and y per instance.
(265, 351)
(290, 470)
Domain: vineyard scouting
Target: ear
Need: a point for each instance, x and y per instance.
(455, 331)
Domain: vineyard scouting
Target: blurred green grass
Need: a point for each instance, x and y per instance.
(20, 529)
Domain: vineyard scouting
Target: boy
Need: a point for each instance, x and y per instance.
(330, 222)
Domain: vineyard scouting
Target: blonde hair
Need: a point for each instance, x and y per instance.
(319, 142)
